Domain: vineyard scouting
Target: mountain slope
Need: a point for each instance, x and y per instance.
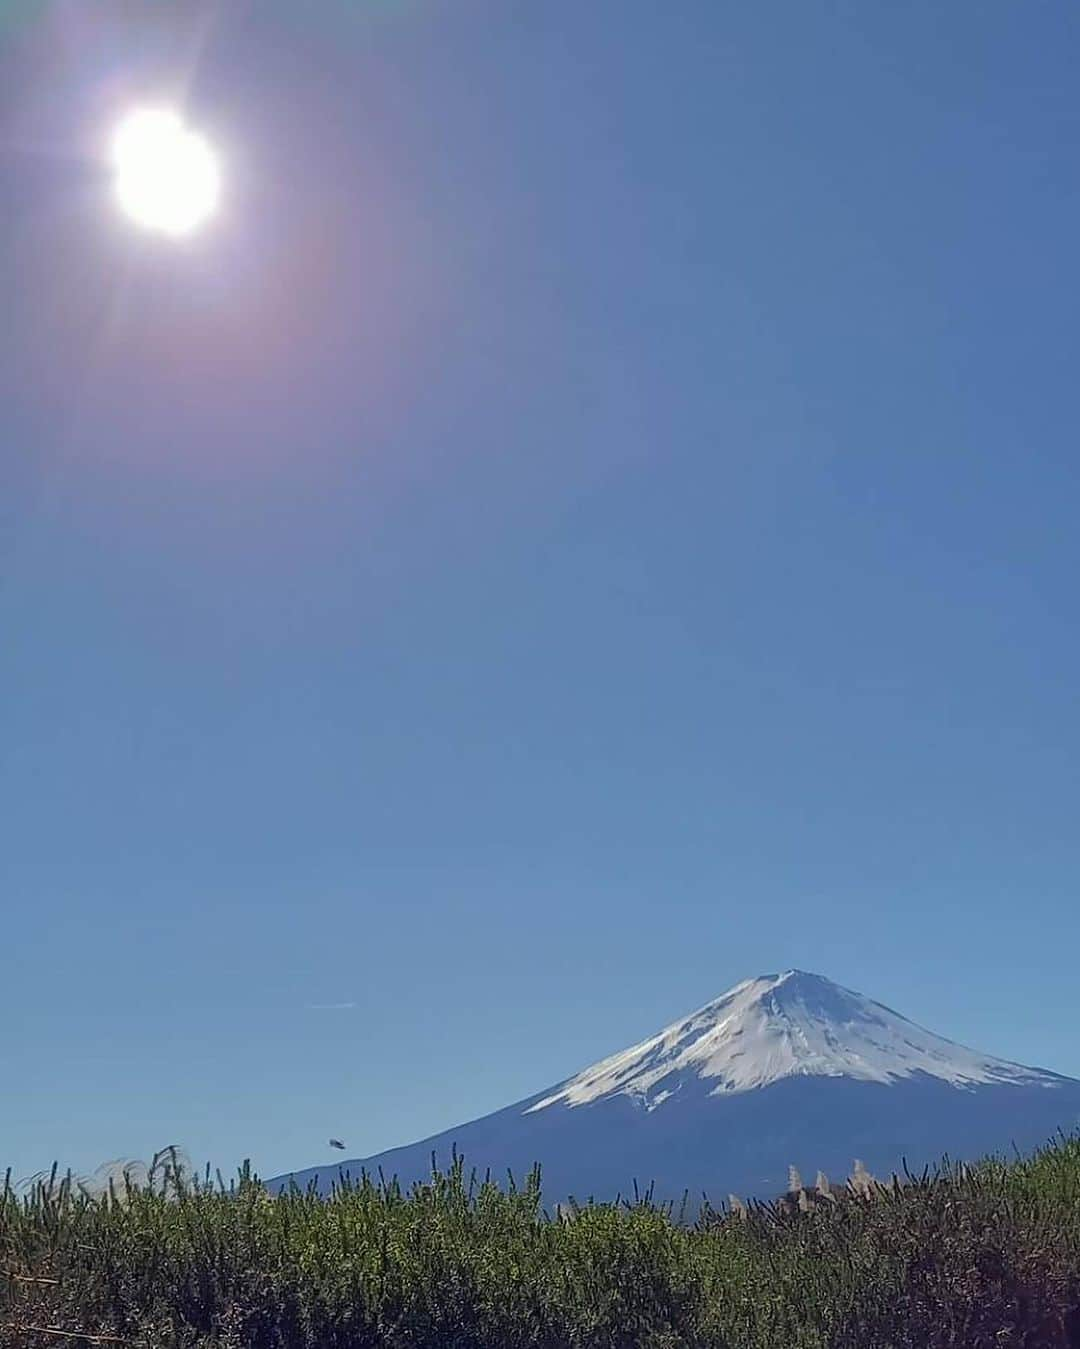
(786, 1068)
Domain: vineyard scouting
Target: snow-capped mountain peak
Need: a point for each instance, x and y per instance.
(781, 1026)
(840, 1077)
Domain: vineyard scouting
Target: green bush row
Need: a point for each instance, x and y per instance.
(983, 1256)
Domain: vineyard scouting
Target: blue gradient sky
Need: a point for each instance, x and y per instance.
(596, 519)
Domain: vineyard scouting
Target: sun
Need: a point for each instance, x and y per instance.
(167, 177)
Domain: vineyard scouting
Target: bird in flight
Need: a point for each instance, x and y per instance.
(337, 1143)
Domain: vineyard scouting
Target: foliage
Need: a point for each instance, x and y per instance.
(984, 1256)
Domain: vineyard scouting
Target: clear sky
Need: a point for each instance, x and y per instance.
(594, 519)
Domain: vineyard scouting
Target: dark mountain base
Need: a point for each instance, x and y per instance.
(742, 1143)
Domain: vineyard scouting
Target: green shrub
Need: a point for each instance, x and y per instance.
(983, 1257)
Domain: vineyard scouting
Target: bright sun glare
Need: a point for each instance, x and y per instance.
(167, 177)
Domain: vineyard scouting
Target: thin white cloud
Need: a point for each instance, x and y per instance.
(330, 1006)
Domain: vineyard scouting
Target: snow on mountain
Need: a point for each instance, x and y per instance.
(778, 1026)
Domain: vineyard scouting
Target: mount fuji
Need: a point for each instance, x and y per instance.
(785, 1069)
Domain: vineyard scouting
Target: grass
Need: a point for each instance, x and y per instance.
(988, 1256)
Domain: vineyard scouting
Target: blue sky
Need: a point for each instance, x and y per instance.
(594, 520)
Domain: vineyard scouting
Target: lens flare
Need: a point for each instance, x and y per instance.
(167, 178)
